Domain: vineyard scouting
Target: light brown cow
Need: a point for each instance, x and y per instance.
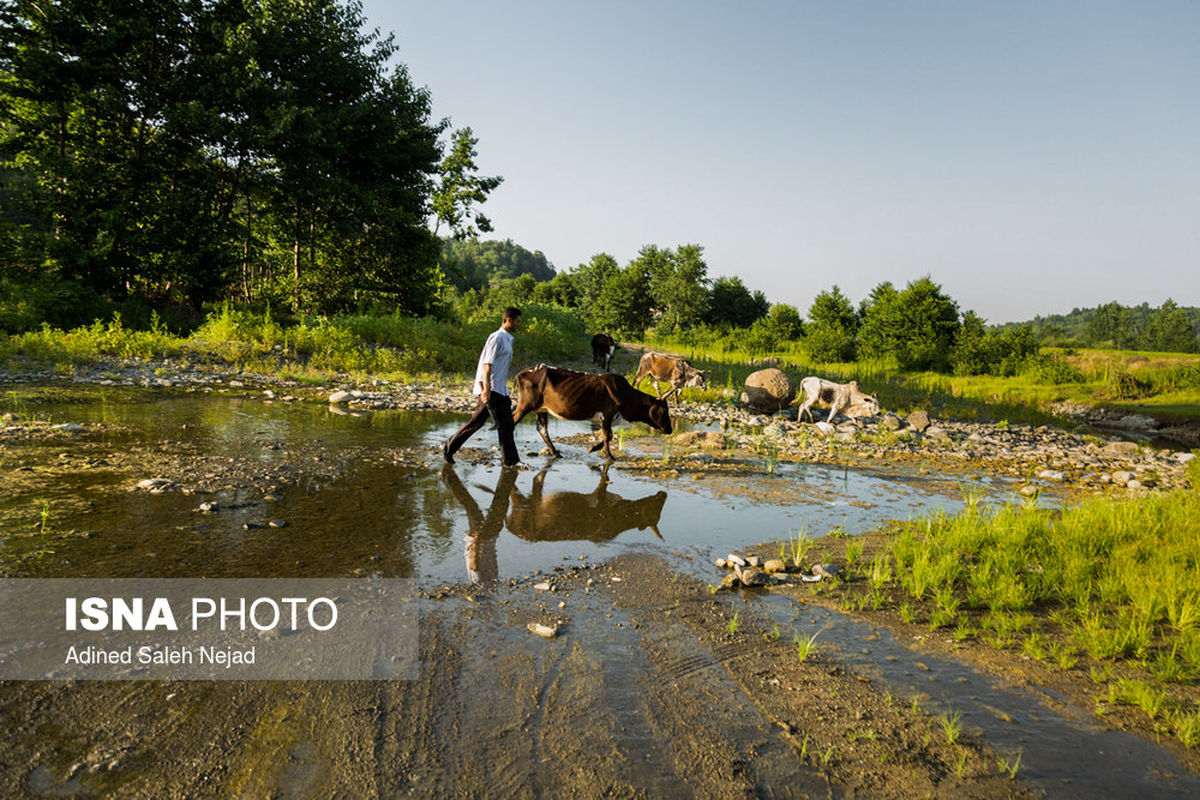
(579, 395)
(669, 369)
(842, 398)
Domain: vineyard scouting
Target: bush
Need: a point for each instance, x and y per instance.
(827, 343)
(1125, 386)
(27, 305)
(1053, 369)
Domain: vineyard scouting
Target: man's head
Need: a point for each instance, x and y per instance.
(512, 319)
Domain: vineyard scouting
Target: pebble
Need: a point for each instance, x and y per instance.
(278, 523)
(546, 631)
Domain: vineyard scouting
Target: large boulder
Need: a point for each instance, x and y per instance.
(769, 390)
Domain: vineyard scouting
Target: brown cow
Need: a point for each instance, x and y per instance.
(669, 369)
(568, 394)
(597, 516)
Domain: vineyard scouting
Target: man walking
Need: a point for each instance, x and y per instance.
(491, 387)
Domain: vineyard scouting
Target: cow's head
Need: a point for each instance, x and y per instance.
(658, 416)
(697, 378)
(861, 405)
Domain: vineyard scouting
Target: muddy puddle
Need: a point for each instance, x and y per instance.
(641, 694)
(355, 493)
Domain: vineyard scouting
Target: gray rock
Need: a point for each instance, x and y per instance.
(774, 430)
(774, 565)
(1121, 449)
(824, 428)
(735, 560)
(918, 420)
(340, 397)
(69, 427)
(753, 561)
(891, 422)
(278, 523)
(1051, 475)
(753, 577)
(825, 570)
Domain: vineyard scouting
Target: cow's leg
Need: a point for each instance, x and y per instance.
(840, 403)
(543, 426)
(523, 407)
(606, 431)
(641, 374)
(806, 408)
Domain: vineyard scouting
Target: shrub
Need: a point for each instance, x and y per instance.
(1053, 369)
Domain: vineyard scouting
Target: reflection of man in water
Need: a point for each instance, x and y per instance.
(491, 387)
(482, 531)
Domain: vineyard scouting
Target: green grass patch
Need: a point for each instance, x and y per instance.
(1101, 585)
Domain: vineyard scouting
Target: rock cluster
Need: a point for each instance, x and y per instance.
(752, 571)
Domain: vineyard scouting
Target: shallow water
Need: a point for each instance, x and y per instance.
(363, 512)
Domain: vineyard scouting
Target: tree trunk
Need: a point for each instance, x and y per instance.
(296, 263)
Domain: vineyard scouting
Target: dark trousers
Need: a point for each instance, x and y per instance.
(499, 408)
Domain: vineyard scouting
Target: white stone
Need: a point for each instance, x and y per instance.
(1122, 477)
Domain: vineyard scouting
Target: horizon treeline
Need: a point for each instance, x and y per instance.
(184, 152)
(666, 294)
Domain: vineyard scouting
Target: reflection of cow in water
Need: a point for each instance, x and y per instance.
(597, 516)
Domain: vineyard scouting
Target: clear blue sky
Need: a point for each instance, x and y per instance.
(1030, 156)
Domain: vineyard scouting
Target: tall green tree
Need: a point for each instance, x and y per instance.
(1170, 330)
(832, 325)
(928, 326)
(679, 283)
(880, 332)
(1114, 325)
(731, 304)
(189, 148)
(460, 188)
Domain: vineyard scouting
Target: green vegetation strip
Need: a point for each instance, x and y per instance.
(389, 345)
(1111, 583)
